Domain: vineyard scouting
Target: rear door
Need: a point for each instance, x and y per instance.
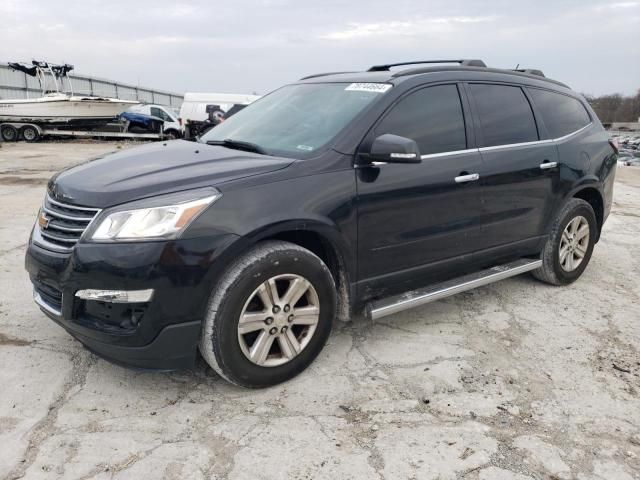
(414, 215)
(519, 174)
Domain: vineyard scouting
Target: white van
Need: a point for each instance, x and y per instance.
(197, 108)
(172, 126)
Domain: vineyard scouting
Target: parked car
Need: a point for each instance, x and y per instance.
(368, 192)
(172, 127)
(141, 123)
(201, 111)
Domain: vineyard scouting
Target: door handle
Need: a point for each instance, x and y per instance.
(546, 165)
(470, 177)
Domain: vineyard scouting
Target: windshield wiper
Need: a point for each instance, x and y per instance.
(238, 145)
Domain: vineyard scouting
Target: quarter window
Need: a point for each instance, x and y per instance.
(505, 114)
(561, 114)
(431, 116)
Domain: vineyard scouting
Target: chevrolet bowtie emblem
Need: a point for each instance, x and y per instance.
(43, 220)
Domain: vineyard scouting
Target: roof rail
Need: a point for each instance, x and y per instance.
(530, 71)
(463, 62)
(315, 75)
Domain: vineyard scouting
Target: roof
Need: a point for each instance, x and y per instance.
(384, 73)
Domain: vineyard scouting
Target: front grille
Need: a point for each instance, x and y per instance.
(61, 225)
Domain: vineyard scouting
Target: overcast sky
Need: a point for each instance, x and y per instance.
(249, 46)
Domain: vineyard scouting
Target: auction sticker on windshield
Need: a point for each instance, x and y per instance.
(369, 87)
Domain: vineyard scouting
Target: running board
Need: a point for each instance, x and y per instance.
(397, 303)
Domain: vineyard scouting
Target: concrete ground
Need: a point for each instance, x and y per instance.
(517, 380)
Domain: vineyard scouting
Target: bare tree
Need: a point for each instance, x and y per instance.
(615, 107)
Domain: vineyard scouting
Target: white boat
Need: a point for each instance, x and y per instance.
(57, 106)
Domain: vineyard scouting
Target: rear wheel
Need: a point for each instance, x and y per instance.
(570, 244)
(270, 315)
(9, 133)
(30, 133)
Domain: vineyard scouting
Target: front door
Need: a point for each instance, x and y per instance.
(411, 216)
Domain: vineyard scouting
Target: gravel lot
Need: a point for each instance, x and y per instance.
(517, 380)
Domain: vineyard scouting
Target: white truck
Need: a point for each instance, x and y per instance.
(201, 111)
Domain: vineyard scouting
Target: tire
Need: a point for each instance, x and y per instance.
(576, 213)
(171, 135)
(9, 133)
(29, 133)
(239, 294)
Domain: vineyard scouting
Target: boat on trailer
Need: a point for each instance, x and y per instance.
(59, 106)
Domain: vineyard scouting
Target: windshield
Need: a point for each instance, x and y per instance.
(297, 120)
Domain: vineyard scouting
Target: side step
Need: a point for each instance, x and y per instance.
(397, 303)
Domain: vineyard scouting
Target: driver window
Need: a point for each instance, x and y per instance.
(156, 112)
(431, 116)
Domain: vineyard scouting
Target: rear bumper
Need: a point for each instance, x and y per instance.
(162, 333)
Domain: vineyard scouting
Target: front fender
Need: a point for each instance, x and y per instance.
(323, 204)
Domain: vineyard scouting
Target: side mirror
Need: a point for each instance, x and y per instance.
(390, 148)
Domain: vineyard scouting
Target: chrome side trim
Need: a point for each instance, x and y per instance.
(44, 305)
(534, 143)
(495, 147)
(569, 135)
(515, 145)
(398, 303)
(446, 154)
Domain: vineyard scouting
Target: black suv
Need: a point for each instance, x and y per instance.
(341, 193)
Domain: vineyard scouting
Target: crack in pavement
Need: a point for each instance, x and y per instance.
(81, 363)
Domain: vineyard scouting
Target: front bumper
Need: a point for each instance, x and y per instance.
(162, 333)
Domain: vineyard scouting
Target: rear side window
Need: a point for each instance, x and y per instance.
(561, 114)
(431, 116)
(505, 114)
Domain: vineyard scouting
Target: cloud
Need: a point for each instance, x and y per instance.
(618, 6)
(51, 28)
(401, 28)
(258, 45)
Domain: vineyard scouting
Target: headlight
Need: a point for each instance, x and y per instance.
(163, 217)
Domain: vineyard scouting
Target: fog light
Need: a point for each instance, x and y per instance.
(116, 296)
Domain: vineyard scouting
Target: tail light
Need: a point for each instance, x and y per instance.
(614, 144)
(180, 121)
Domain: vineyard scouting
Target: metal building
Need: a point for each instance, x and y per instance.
(15, 84)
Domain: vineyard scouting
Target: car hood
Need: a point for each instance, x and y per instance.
(155, 169)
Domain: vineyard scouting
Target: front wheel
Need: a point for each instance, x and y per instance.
(269, 316)
(570, 244)
(171, 135)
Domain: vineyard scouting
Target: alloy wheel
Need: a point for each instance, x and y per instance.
(278, 320)
(574, 244)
